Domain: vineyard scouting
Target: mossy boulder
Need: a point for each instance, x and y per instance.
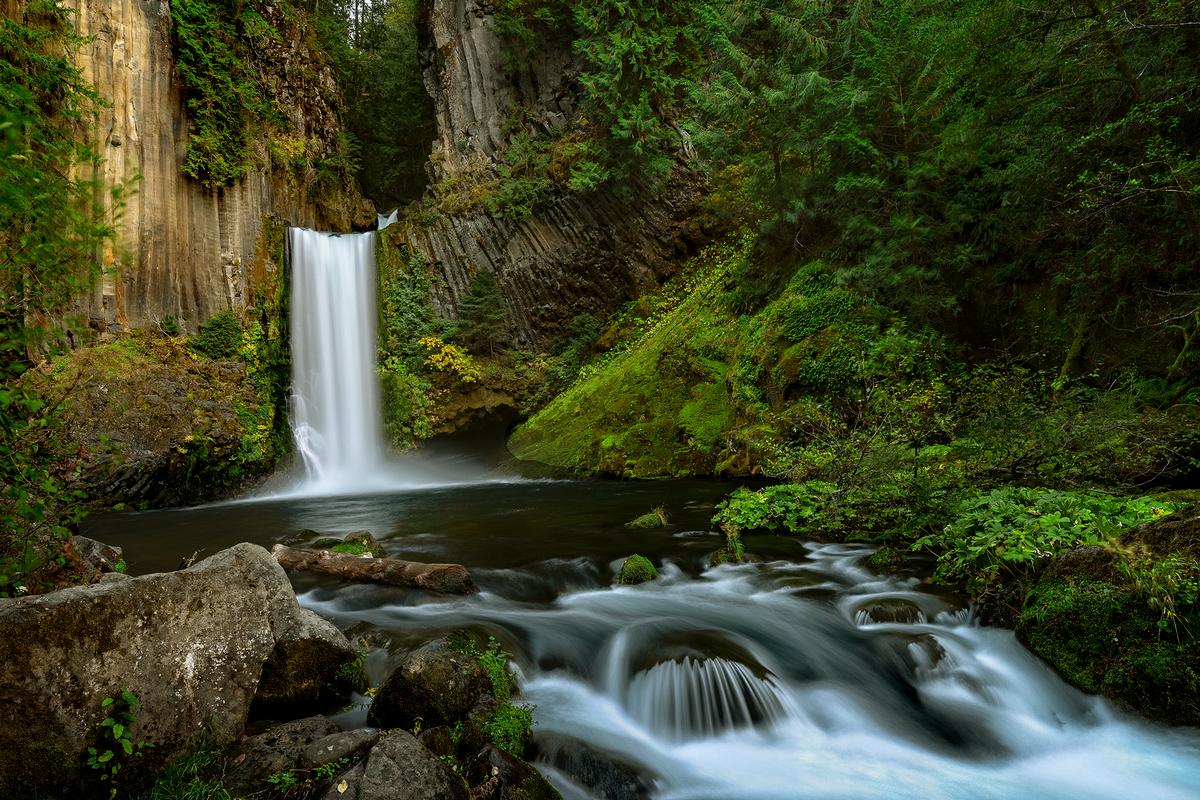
(1102, 638)
(636, 569)
(1089, 615)
(885, 561)
(654, 518)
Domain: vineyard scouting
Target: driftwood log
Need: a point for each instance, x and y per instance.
(444, 578)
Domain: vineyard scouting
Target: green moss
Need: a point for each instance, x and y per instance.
(1105, 639)
(636, 569)
(654, 518)
(885, 560)
(36, 769)
(358, 543)
(511, 728)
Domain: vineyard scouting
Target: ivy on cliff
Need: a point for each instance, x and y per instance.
(224, 98)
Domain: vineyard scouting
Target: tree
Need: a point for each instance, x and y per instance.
(482, 318)
(53, 221)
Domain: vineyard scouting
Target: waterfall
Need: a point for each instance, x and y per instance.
(335, 407)
(703, 697)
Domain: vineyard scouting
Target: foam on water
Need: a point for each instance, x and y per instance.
(737, 684)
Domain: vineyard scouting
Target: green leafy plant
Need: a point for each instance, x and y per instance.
(116, 748)
(283, 781)
(786, 508)
(221, 336)
(327, 772)
(1007, 529)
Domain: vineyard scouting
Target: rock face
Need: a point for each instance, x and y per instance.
(190, 645)
(297, 674)
(577, 253)
(435, 683)
(399, 768)
(184, 249)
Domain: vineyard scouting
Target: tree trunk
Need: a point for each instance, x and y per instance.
(443, 578)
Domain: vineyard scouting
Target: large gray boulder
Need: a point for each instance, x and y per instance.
(190, 645)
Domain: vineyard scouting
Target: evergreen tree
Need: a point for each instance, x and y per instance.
(482, 319)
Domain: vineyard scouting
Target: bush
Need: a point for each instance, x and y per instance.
(787, 508)
(1006, 529)
(220, 337)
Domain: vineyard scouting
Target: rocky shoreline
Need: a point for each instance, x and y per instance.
(220, 656)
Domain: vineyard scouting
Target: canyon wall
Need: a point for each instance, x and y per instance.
(183, 249)
(576, 253)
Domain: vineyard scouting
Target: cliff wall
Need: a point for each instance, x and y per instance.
(184, 249)
(576, 253)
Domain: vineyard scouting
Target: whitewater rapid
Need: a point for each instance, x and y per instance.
(810, 679)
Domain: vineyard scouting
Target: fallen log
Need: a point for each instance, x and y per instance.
(444, 578)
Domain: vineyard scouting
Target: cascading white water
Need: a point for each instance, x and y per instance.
(703, 697)
(335, 411)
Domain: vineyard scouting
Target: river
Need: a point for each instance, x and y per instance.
(802, 675)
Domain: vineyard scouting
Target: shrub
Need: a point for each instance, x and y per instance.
(1006, 529)
(448, 359)
(220, 337)
(787, 508)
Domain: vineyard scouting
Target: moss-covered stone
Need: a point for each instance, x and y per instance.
(357, 543)
(654, 518)
(885, 560)
(1121, 621)
(636, 569)
(1103, 638)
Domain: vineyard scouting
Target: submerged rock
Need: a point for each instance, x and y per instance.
(497, 775)
(190, 645)
(436, 684)
(604, 775)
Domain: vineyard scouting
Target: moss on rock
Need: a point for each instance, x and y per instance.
(636, 569)
(654, 518)
(885, 560)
